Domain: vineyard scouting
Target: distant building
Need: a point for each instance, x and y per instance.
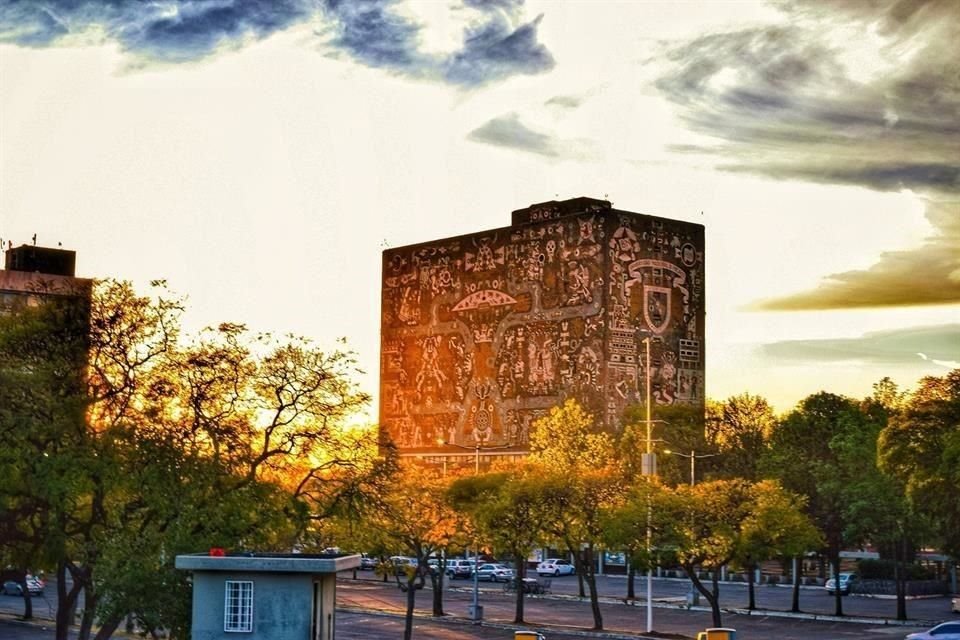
(33, 274)
(482, 334)
(41, 281)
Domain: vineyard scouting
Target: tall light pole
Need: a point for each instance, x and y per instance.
(692, 597)
(475, 612)
(693, 461)
(649, 468)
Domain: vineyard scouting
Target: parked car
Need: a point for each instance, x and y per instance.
(400, 563)
(847, 580)
(494, 572)
(944, 631)
(955, 605)
(368, 562)
(459, 568)
(555, 567)
(14, 588)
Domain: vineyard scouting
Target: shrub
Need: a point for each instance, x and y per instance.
(870, 569)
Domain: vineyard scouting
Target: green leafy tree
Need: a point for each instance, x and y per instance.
(702, 523)
(509, 510)
(415, 517)
(918, 450)
(715, 523)
(624, 526)
(168, 448)
(677, 427)
(739, 429)
(817, 451)
(42, 406)
(581, 479)
(569, 438)
(921, 448)
(775, 526)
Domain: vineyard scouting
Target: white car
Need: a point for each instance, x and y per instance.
(494, 572)
(847, 580)
(945, 631)
(401, 563)
(14, 588)
(555, 567)
(955, 605)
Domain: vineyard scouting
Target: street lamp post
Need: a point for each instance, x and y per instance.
(692, 597)
(475, 612)
(649, 469)
(693, 461)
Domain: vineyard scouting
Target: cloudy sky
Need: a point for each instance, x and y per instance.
(260, 154)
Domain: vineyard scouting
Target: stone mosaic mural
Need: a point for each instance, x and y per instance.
(482, 334)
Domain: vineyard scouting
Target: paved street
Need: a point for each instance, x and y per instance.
(366, 603)
(813, 600)
(558, 613)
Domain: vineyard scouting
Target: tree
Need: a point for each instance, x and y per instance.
(739, 429)
(716, 522)
(918, 450)
(167, 448)
(569, 438)
(921, 448)
(509, 511)
(624, 526)
(812, 452)
(415, 517)
(775, 526)
(580, 481)
(702, 524)
(679, 427)
(42, 356)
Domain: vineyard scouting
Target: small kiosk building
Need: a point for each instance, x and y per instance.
(264, 596)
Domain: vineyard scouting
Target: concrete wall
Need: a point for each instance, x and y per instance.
(282, 605)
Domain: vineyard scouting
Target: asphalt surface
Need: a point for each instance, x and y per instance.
(371, 609)
(558, 616)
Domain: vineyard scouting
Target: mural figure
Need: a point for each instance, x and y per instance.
(430, 365)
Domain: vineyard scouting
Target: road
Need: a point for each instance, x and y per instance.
(733, 595)
(562, 613)
(363, 603)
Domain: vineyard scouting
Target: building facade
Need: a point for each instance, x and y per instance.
(34, 274)
(482, 334)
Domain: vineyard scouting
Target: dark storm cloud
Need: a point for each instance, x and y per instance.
(167, 31)
(493, 49)
(937, 343)
(496, 43)
(508, 131)
(373, 35)
(789, 103)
